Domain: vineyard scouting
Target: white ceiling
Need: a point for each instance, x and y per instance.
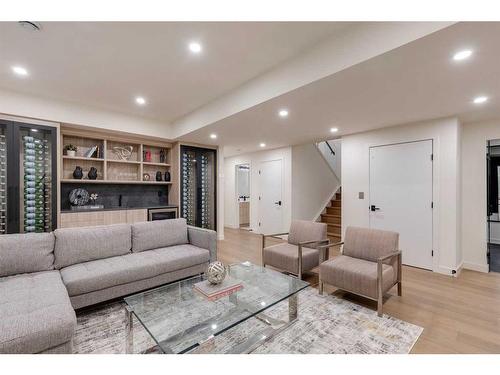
(414, 82)
(106, 64)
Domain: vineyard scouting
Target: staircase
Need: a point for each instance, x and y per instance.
(332, 216)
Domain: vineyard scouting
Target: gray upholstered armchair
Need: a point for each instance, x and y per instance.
(369, 266)
(300, 253)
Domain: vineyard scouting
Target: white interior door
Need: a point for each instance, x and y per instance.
(270, 197)
(401, 197)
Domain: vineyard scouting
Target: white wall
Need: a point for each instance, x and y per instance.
(313, 182)
(474, 223)
(254, 159)
(23, 105)
(445, 134)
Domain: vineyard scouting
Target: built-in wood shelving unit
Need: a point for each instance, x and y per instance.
(146, 158)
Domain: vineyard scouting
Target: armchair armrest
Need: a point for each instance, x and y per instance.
(388, 256)
(204, 238)
(325, 250)
(380, 261)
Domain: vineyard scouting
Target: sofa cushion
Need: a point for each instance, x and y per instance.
(24, 253)
(160, 233)
(356, 275)
(77, 245)
(35, 313)
(286, 257)
(104, 273)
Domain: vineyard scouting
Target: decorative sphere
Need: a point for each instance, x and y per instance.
(216, 272)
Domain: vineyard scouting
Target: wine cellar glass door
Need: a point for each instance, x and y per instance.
(3, 178)
(31, 178)
(198, 186)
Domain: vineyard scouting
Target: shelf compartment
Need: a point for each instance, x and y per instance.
(155, 154)
(113, 157)
(83, 144)
(69, 165)
(81, 158)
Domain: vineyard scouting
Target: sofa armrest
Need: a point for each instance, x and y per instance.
(204, 238)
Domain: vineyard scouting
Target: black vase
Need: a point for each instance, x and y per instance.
(92, 173)
(167, 176)
(158, 176)
(78, 173)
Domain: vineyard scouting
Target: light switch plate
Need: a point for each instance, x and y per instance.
(361, 195)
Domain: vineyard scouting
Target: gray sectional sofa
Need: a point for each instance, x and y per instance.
(44, 277)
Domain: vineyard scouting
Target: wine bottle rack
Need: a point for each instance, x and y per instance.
(37, 184)
(189, 187)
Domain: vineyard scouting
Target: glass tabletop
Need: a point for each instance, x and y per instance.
(179, 318)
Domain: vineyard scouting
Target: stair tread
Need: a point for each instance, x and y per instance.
(330, 215)
(332, 234)
(335, 225)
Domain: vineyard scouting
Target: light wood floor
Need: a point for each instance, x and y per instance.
(459, 315)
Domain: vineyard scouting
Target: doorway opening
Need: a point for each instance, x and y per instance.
(493, 204)
(243, 195)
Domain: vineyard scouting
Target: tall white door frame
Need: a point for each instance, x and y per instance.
(270, 213)
(395, 171)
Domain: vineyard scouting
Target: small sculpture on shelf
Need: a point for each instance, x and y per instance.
(158, 176)
(146, 177)
(92, 173)
(167, 176)
(162, 156)
(146, 156)
(93, 198)
(123, 153)
(78, 173)
(70, 150)
(78, 197)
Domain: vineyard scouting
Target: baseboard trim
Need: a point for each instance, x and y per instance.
(476, 267)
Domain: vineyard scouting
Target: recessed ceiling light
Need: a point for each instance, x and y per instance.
(20, 71)
(34, 130)
(462, 55)
(262, 145)
(213, 136)
(480, 99)
(334, 130)
(283, 113)
(140, 100)
(195, 47)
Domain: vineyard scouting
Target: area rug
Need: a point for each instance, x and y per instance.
(326, 325)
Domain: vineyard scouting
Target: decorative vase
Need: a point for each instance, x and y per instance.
(92, 173)
(158, 176)
(216, 272)
(167, 176)
(162, 156)
(146, 177)
(78, 173)
(71, 153)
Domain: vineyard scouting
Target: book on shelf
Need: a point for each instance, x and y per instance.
(214, 292)
(90, 152)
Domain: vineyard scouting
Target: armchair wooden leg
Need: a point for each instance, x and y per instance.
(321, 287)
(380, 303)
(400, 288)
(380, 294)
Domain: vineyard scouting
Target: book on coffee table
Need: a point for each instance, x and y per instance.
(215, 291)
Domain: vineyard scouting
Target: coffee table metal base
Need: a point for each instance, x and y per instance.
(275, 326)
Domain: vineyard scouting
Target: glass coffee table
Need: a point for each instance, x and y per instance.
(180, 319)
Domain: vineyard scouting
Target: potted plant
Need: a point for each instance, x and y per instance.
(70, 150)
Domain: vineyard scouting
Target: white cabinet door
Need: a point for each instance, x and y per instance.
(401, 197)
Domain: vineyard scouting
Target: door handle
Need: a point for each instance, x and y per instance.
(374, 208)
(278, 203)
